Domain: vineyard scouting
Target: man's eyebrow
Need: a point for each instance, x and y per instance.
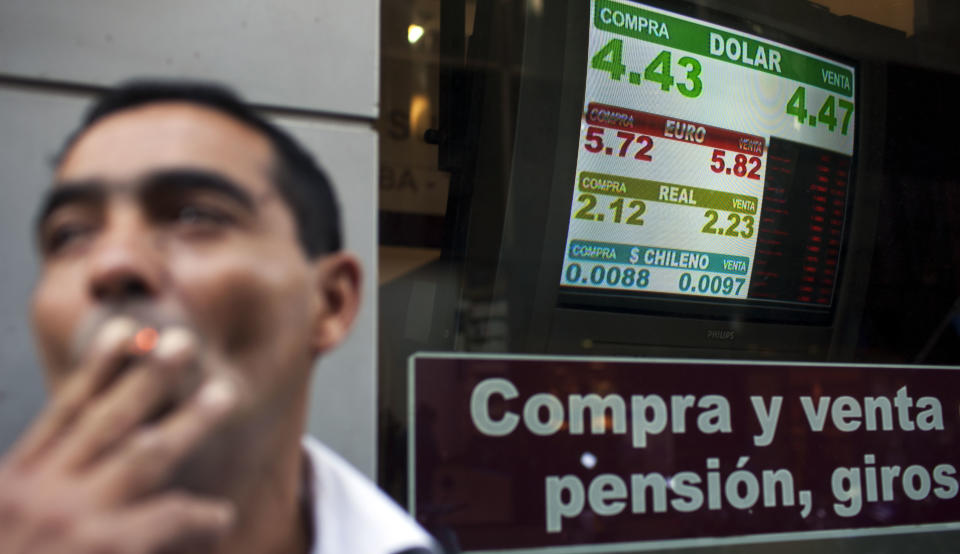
(182, 181)
(155, 184)
(65, 193)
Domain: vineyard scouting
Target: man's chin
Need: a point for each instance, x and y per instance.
(213, 468)
(241, 453)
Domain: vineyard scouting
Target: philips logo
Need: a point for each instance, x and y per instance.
(721, 334)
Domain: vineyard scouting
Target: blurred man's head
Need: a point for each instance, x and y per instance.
(301, 182)
(178, 205)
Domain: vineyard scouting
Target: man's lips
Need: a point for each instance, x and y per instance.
(151, 317)
(153, 322)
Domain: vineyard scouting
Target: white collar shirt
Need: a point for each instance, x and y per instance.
(350, 515)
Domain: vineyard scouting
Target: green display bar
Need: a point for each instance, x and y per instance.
(656, 191)
(634, 254)
(719, 44)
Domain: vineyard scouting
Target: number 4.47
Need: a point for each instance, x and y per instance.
(827, 115)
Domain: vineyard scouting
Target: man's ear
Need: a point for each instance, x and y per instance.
(338, 282)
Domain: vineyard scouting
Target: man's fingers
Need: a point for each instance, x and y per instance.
(108, 351)
(141, 463)
(171, 522)
(137, 395)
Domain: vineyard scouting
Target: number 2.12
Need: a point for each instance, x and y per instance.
(589, 201)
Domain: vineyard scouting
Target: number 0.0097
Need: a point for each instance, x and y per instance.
(613, 276)
(711, 284)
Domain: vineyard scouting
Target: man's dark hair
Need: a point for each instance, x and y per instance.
(300, 180)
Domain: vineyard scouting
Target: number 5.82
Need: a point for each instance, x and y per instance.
(739, 168)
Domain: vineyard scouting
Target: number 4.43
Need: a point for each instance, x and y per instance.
(659, 70)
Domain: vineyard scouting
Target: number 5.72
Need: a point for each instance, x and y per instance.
(593, 142)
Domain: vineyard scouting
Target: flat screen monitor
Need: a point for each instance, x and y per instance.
(714, 167)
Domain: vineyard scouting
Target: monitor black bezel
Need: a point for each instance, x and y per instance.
(665, 304)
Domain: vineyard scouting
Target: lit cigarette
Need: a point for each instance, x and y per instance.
(145, 340)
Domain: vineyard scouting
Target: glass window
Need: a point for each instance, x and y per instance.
(678, 211)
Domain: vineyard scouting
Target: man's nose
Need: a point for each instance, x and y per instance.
(124, 262)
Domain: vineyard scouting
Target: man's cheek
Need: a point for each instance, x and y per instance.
(245, 312)
(55, 316)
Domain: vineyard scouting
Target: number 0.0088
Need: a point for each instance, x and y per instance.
(613, 276)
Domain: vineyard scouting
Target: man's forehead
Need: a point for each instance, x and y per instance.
(136, 141)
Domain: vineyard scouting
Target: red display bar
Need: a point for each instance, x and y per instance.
(613, 117)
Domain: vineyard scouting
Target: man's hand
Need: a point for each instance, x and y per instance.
(86, 477)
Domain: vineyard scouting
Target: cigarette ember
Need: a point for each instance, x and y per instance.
(146, 339)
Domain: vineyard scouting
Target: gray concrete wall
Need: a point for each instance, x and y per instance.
(317, 59)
